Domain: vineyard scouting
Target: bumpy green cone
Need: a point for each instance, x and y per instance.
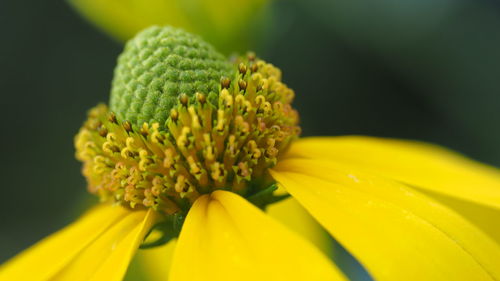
(158, 65)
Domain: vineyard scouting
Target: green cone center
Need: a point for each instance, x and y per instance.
(167, 139)
(156, 66)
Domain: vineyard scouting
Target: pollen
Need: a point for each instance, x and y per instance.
(207, 142)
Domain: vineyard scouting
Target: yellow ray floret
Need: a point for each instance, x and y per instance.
(395, 231)
(239, 242)
(98, 246)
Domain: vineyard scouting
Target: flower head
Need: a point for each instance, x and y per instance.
(193, 143)
(157, 148)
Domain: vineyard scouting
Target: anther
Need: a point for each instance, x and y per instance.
(242, 68)
(181, 185)
(144, 130)
(225, 82)
(112, 118)
(201, 98)
(243, 170)
(242, 84)
(174, 114)
(103, 132)
(254, 67)
(183, 99)
(127, 126)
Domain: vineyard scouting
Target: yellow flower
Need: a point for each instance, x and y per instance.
(202, 166)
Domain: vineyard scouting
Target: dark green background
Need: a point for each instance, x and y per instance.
(418, 69)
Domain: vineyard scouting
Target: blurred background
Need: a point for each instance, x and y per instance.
(417, 69)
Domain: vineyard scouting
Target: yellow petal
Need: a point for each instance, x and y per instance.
(124, 18)
(394, 231)
(470, 188)
(108, 257)
(290, 213)
(423, 165)
(482, 216)
(156, 261)
(227, 24)
(225, 238)
(50, 255)
(96, 247)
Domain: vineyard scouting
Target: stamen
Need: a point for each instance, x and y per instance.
(227, 142)
(225, 82)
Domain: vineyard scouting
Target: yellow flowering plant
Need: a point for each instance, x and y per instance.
(195, 147)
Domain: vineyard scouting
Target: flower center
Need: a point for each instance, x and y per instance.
(156, 66)
(203, 146)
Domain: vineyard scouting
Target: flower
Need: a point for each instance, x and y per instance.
(202, 165)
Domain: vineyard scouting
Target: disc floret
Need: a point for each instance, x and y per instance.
(225, 143)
